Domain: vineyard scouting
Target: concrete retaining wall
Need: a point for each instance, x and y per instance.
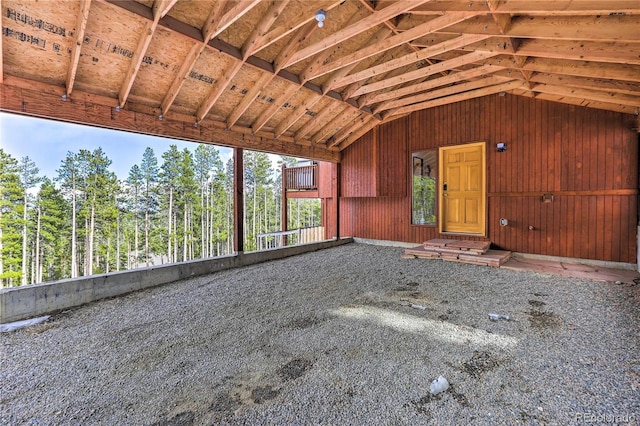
(18, 303)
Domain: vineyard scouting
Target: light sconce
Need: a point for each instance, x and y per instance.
(195, 124)
(321, 15)
(64, 98)
(117, 108)
(504, 221)
(501, 146)
(160, 117)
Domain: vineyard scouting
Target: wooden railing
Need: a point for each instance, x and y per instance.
(293, 237)
(303, 178)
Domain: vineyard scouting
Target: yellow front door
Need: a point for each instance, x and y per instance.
(462, 191)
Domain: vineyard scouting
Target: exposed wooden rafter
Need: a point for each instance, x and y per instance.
(262, 70)
(81, 25)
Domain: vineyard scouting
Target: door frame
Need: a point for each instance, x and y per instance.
(483, 185)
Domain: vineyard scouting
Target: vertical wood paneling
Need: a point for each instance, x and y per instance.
(562, 149)
(358, 171)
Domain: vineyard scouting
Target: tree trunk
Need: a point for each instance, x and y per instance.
(74, 253)
(146, 233)
(136, 242)
(118, 242)
(24, 240)
(91, 234)
(170, 216)
(38, 266)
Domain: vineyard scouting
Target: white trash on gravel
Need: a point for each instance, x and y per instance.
(12, 326)
(438, 385)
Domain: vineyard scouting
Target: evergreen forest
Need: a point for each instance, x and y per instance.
(170, 208)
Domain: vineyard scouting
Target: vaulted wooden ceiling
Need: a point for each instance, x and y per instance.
(263, 74)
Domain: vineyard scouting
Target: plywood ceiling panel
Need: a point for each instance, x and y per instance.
(265, 68)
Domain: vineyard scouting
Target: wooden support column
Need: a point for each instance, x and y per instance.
(238, 200)
(284, 217)
(335, 190)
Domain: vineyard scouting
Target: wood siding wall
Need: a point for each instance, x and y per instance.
(586, 158)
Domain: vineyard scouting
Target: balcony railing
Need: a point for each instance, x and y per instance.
(294, 237)
(303, 178)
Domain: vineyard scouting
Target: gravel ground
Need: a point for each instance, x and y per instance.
(335, 337)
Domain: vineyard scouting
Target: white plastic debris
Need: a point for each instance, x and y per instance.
(496, 317)
(12, 326)
(421, 307)
(438, 385)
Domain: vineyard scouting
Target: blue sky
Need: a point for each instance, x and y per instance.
(47, 142)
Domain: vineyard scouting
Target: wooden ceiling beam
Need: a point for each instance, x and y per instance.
(220, 46)
(344, 71)
(503, 20)
(502, 87)
(248, 99)
(544, 7)
(376, 18)
(589, 94)
(248, 47)
(273, 108)
(297, 113)
(358, 133)
(609, 52)
(311, 126)
(260, 31)
(217, 91)
(160, 9)
(297, 22)
(236, 12)
(587, 103)
(586, 28)
(447, 91)
(86, 108)
(192, 56)
(333, 126)
(344, 133)
(391, 42)
(624, 87)
(452, 78)
(467, 59)
(621, 72)
(411, 58)
(318, 60)
(301, 36)
(81, 25)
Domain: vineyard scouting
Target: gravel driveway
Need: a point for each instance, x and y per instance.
(349, 335)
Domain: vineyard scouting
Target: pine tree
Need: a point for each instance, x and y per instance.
(69, 178)
(149, 169)
(134, 184)
(10, 220)
(52, 210)
(207, 163)
(28, 179)
(169, 172)
(187, 190)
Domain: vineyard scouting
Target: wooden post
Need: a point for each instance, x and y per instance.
(284, 218)
(335, 192)
(238, 200)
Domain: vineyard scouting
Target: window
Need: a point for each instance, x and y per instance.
(424, 180)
